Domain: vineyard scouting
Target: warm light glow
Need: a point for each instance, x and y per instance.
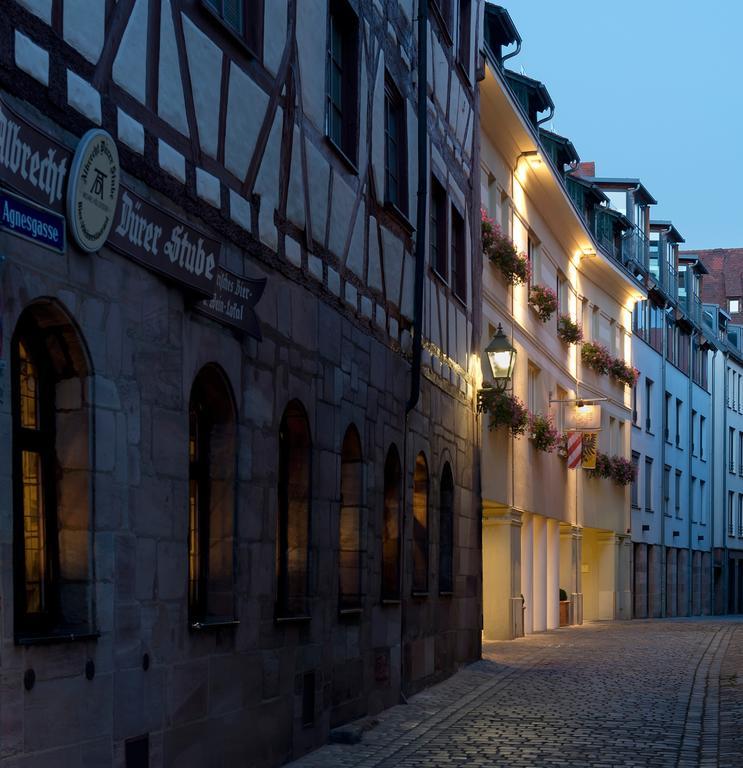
(588, 251)
(500, 362)
(584, 416)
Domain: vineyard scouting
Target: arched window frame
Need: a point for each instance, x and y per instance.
(446, 531)
(351, 514)
(391, 521)
(212, 418)
(49, 353)
(293, 533)
(420, 535)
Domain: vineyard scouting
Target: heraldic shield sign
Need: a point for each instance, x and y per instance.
(93, 189)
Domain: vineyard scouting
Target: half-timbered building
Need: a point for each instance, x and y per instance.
(239, 495)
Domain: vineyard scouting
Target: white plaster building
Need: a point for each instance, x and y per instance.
(547, 528)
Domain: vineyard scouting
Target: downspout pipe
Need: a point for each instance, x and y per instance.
(420, 235)
(420, 254)
(549, 117)
(513, 53)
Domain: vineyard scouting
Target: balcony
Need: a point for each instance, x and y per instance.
(604, 232)
(691, 305)
(664, 274)
(635, 249)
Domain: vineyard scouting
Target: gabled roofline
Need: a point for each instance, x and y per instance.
(536, 85)
(674, 234)
(641, 189)
(569, 147)
(502, 17)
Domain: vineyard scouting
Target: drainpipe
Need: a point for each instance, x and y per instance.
(549, 116)
(420, 223)
(664, 423)
(505, 58)
(725, 481)
(690, 465)
(420, 253)
(711, 481)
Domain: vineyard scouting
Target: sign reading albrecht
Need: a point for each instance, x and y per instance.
(93, 189)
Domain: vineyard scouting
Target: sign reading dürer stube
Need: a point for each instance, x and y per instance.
(159, 241)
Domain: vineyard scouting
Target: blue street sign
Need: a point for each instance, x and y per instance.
(39, 225)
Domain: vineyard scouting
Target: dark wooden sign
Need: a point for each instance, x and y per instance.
(158, 240)
(234, 301)
(31, 162)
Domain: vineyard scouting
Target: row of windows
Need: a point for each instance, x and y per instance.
(735, 451)
(735, 514)
(593, 323)
(673, 418)
(51, 414)
(653, 325)
(734, 387)
(645, 478)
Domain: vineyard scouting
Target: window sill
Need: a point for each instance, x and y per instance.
(350, 613)
(292, 619)
(462, 69)
(421, 594)
(206, 625)
(390, 601)
(446, 593)
(462, 301)
(441, 278)
(53, 637)
(400, 216)
(350, 164)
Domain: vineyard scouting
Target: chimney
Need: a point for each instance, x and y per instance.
(585, 169)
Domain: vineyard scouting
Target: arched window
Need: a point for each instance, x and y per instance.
(293, 536)
(391, 526)
(51, 475)
(350, 523)
(212, 452)
(446, 531)
(420, 525)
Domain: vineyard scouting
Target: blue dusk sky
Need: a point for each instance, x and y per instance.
(648, 89)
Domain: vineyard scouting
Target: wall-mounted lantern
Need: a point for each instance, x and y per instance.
(502, 357)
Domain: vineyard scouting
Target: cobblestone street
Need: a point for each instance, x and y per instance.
(640, 693)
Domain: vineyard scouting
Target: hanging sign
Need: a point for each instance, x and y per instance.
(93, 190)
(158, 240)
(585, 417)
(234, 300)
(31, 162)
(25, 219)
(588, 450)
(575, 441)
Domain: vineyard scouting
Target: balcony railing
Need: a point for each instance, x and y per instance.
(691, 304)
(604, 232)
(635, 249)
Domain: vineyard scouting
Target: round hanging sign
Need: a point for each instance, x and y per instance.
(93, 189)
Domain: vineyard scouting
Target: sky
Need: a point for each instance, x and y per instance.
(648, 89)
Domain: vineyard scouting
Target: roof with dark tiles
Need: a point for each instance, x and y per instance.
(725, 278)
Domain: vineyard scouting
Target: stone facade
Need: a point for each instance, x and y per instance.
(234, 143)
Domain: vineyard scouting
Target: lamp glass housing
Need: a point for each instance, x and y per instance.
(501, 357)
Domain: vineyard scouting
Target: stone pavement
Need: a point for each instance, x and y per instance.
(635, 693)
